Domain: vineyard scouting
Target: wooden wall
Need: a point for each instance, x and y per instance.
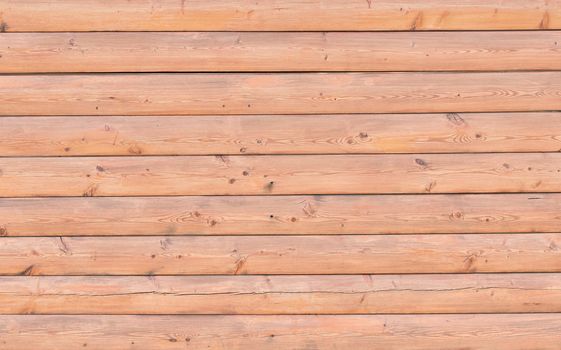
(280, 174)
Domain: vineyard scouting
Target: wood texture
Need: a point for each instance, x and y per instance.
(280, 254)
(280, 174)
(271, 15)
(366, 294)
(300, 134)
(208, 93)
(274, 175)
(411, 332)
(294, 215)
(288, 51)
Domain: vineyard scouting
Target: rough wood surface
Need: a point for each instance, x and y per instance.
(411, 332)
(273, 15)
(273, 134)
(288, 51)
(280, 254)
(282, 93)
(280, 175)
(295, 215)
(365, 294)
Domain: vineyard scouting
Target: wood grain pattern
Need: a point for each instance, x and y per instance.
(273, 134)
(366, 294)
(282, 93)
(294, 215)
(288, 51)
(411, 332)
(280, 175)
(271, 15)
(280, 254)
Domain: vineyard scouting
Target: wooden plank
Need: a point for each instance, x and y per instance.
(271, 15)
(281, 93)
(208, 215)
(287, 51)
(412, 332)
(344, 294)
(280, 175)
(334, 134)
(161, 255)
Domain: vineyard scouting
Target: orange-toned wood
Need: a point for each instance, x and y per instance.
(287, 51)
(223, 208)
(273, 134)
(412, 332)
(146, 94)
(295, 215)
(268, 15)
(272, 175)
(280, 254)
(364, 294)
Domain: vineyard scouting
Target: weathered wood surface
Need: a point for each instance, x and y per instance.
(287, 51)
(411, 332)
(273, 134)
(282, 93)
(280, 254)
(280, 175)
(294, 215)
(364, 294)
(271, 15)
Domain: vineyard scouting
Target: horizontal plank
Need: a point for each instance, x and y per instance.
(280, 175)
(271, 15)
(287, 51)
(262, 134)
(161, 255)
(366, 294)
(295, 215)
(412, 332)
(281, 93)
